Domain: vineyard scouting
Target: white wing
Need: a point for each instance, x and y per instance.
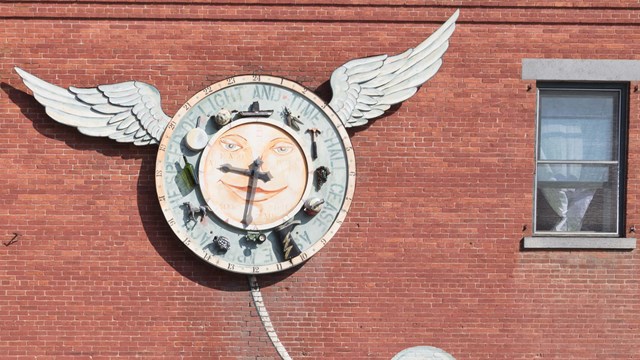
(126, 112)
(364, 89)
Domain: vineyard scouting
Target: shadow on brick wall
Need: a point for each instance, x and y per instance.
(158, 232)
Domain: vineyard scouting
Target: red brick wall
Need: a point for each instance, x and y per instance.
(430, 252)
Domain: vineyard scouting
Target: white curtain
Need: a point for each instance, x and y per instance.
(569, 203)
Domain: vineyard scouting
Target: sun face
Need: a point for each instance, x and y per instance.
(254, 200)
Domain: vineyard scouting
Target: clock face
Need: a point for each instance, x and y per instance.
(229, 194)
(255, 174)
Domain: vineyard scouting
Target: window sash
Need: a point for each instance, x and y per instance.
(578, 124)
(573, 189)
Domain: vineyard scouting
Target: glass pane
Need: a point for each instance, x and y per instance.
(578, 125)
(577, 198)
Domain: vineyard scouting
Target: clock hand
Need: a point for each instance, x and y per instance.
(253, 182)
(254, 174)
(225, 168)
(253, 170)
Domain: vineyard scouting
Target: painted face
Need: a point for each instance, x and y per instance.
(239, 148)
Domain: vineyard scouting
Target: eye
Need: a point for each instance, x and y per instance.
(230, 145)
(282, 148)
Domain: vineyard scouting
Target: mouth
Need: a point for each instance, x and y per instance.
(259, 195)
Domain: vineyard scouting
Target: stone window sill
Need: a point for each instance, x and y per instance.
(549, 242)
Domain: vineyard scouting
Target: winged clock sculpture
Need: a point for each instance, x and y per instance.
(268, 161)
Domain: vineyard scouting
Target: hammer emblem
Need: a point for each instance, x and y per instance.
(314, 147)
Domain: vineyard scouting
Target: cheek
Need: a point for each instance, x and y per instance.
(289, 162)
(295, 172)
(211, 168)
(283, 164)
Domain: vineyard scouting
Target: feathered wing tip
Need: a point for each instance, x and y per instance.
(365, 88)
(125, 112)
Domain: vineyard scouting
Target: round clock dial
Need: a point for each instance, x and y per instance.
(229, 193)
(266, 182)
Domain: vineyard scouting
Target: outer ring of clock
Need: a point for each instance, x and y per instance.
(179, 228)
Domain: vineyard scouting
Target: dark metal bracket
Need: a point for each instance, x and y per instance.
(13, 240)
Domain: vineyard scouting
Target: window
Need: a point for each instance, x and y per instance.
(580, 159)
